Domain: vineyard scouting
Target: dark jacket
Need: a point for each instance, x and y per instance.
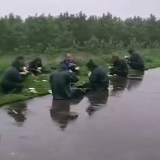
(136, 59)
(120, 68)
(12, 74)
(99, 78)
(60, 82)
(67, 63)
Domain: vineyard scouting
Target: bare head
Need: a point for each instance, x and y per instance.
(114, 58)
(69, 56)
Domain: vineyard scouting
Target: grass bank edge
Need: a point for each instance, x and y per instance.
(152, 60)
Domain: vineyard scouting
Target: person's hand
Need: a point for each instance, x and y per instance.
(23, 73)
(126, 57)
(26, 71)
(89, 74)
(70, 71)
(39, 68)
(39, 71)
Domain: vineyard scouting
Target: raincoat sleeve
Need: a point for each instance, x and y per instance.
(16, 77)
(32, 66)
(73, 78)
(120, 67)
(93, 77)
(133, 57)
(50, 78)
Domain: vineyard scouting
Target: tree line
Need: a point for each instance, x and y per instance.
(49, 34)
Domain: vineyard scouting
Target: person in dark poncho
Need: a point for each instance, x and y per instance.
(36, 66)
(60, 82)
(24, 72)
(98, 78)
(135, 61)
(12, 81)
(120, 67)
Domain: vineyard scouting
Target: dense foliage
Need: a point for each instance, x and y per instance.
(48, 34)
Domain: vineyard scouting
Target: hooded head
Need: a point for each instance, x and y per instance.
(130, 51)
(38, 61)
(18, 65)
(91, 65)
(20, 58)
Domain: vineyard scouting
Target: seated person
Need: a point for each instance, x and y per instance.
(135, 61)
(98, 79)
(12, 81)
(69, 60)
(60, 82)
(36, 66)
(120, 67)
(24, 72)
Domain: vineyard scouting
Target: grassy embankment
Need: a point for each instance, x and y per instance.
(151, 57)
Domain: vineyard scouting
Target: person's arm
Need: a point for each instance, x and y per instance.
(32, 67)
(120, 66)
(16, 77)
(73, 78)
(40, 65)
(133, 57)
(93, 77)
(50, 78)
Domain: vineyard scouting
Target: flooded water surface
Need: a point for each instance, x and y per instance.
(122, 124)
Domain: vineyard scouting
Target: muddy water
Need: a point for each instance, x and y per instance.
(121, 126)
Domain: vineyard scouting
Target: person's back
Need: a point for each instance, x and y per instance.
(121, 67)
(99, 78)
(60, 84)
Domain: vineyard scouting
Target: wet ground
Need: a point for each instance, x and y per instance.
(122, 126)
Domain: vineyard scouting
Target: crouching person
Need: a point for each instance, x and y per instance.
(12, 81)
(135, 61)
(60, 82)
(120, 67)
(36, 67)
(98, 78)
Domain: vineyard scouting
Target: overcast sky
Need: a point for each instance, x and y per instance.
(122, 8)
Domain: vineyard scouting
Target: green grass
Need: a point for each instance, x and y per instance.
(151, 57)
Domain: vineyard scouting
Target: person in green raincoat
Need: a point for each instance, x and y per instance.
(60, 82)
(120, 67)
(98, 77)
(12, 81)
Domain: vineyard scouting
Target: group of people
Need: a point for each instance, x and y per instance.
(63, 81)
(68, 74)
(120, 66)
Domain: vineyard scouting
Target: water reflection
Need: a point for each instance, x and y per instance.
(18, 112)
(133, 83)
(61, 114)
(97, 100)
(119, 86)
